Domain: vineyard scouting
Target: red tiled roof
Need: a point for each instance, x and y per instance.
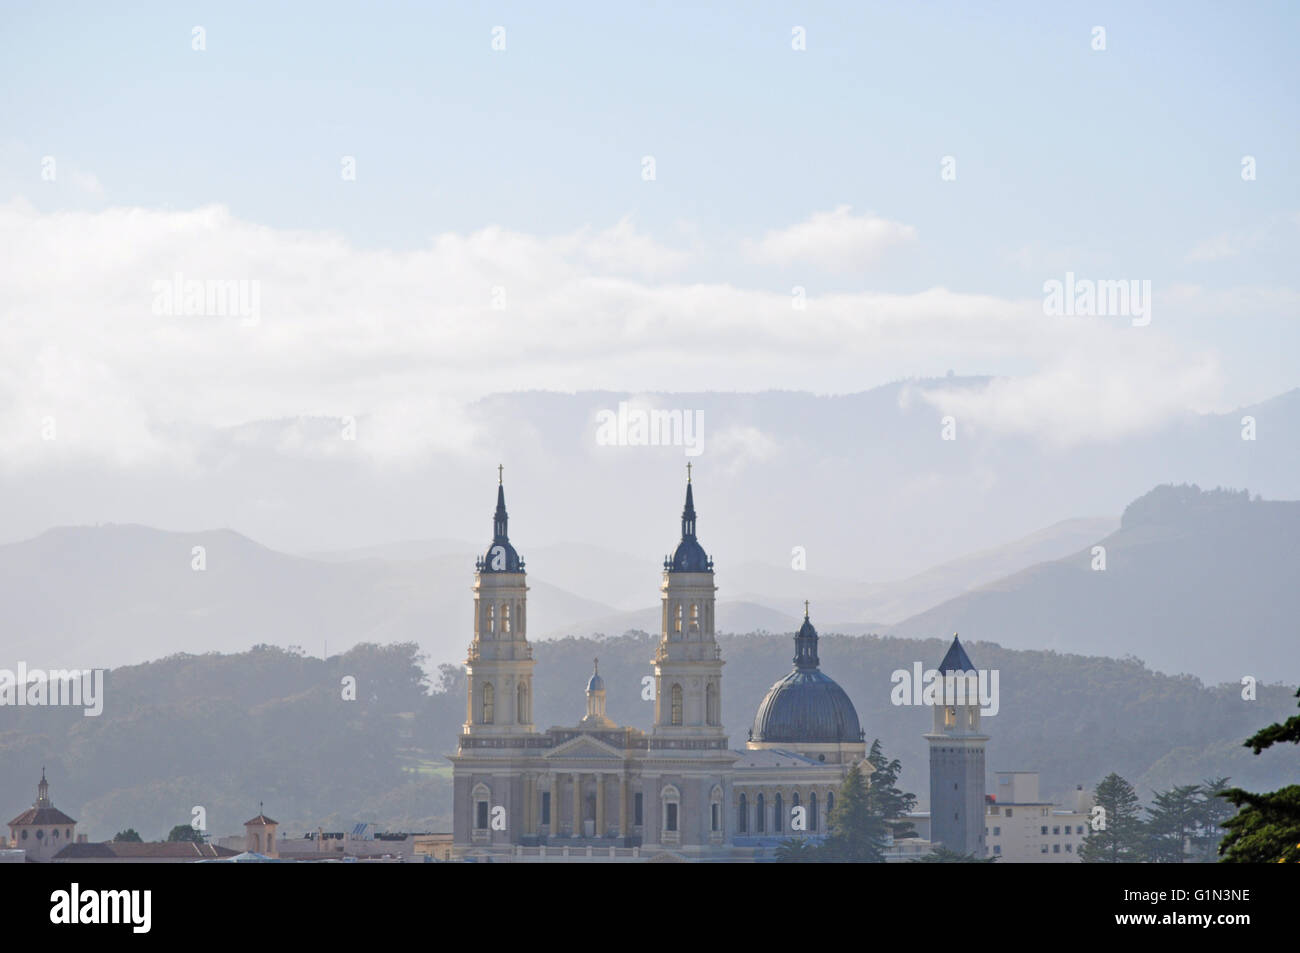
(134, 850)
(261, 821)
(42, 815)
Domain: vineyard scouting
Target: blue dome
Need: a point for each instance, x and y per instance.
(806, 707)
(689, 555)
(595, 683)
(501, 556)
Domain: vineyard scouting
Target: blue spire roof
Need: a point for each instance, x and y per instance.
(501, 556)
(956, 660)
(690, 555)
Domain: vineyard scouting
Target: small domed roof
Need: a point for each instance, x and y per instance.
(807, 706)
(595, 683)
(501, 556)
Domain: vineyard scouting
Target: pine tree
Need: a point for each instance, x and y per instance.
(1214, 810)
(1117, 837)
(884, 799)
(1172, 821)
(1267, 826)
(856, 834)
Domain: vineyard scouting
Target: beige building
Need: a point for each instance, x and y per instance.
(598, 791)
(1022, 828)
(42, 830)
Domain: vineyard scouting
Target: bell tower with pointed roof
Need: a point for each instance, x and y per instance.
(957, 757)
(500, 660)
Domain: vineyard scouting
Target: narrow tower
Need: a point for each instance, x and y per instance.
(688, 662)
(957, 758)
(500, 662)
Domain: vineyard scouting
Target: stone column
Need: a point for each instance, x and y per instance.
(577, 804)
(622, 806)
(600, 804)
(555, 804)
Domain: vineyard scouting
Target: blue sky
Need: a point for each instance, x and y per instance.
(521, 169)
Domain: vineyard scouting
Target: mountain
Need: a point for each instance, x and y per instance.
(1194, 581)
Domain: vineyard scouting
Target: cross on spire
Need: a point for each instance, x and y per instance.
(595, 665)
(500, 470)
(688, 471)
(805, 608)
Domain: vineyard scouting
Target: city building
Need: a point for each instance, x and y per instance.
(42, 830)
(598, 791)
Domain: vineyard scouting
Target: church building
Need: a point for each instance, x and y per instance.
(597, 791)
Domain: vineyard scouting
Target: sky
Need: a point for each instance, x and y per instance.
(886, 202)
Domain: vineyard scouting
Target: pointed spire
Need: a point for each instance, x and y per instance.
(499, 519)
(688, 512)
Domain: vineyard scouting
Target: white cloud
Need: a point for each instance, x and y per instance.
(401, 340)
(836, 241)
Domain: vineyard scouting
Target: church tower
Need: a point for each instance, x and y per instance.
(957, 758)
(500, 662)
(688, 662)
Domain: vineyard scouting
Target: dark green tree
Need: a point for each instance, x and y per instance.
(1118, 834)
(129, 835)
(1172, 821)
(942, 855)
(884, 800)
(856, 835)
(1214, 810)
(794, 851)
(185, 832)
(1266, 828)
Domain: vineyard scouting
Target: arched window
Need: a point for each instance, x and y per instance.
(776, 814)
(678, 622)
(672, 799)
(491, 619)
(56, 833)
(505, 618)
(695, 617)
(489, 703)
(812, 811)
(760, 814)
(521, 706)
(676, 711)
(715, 810)
(742, 815)
(711, 703)
(794, 802)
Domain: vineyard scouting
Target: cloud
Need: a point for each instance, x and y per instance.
(838, 241)
(401, 341)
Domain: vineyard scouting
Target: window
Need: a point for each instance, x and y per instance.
(1044, 848)
(40, 834)
(678, 622)
(716, 815)
(711, 703)
(481, 815)
(505, 618)
(695, 616)
(997, 848)
(637, 809)
(492, 619)
(1069, 848)
(1007, 812)
(670, 816)
(521, 705)
(676, 712)
(1069, 829)
(997, 832)
(1056, 848)
(1057, 830)
(68, 832)
(489, 702)
(776, 815)
(1043, 830)
(760, 816)
(812, 811)
(55, 832)
(24, 834)
(742, 815)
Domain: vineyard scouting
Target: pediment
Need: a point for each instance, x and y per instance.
(585, 748)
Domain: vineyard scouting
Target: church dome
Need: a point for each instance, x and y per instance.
(807, 706)
(501, 555)
(689, 555)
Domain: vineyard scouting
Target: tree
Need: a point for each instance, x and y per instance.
(127, 836)
(793, 851)
(185, 832)
(884, 799)
(942, 855)
(1214, 810)
(856, 834)
(1172, 821)
(1117, 836)
(1266, 828)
